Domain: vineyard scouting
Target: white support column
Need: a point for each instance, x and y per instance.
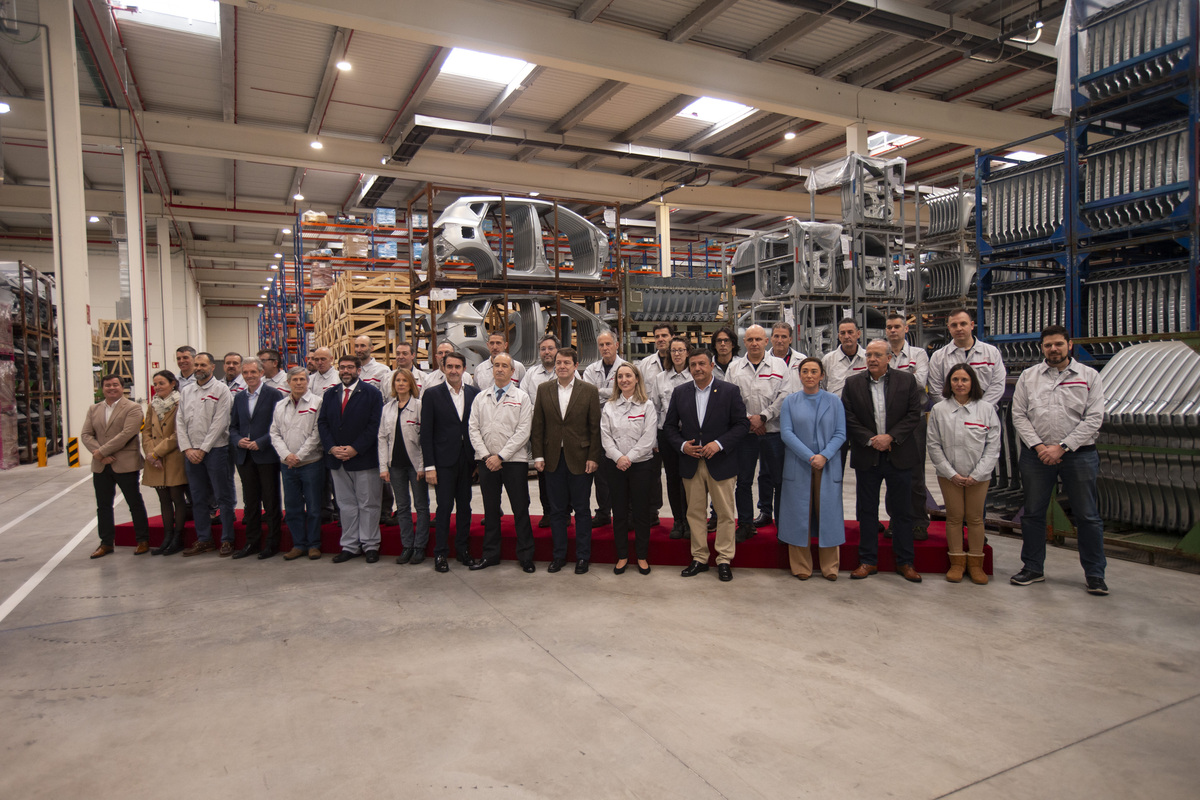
(60, 74)
(136, 241)
(170, 326)
(856, 139)
(662, 220)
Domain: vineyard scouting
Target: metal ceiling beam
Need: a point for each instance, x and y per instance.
(607, 91)
(615, 53)
(695, 22)
(10, 84)
(851, 58)
(798, 28)
(337, 51)
(502, 102)
(590, 9)
(1024, 97)
(647, 123)
(981, 83)
(228, 25)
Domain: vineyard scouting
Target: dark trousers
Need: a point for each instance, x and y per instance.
(770, 473)
(171, 504)
(105, 483)
(603, 498)
(453, 491)
(898, 502)
(1078, 471)
(569, 492)
(633, 493)
(676, 498)
(302, 488)
(260, 494)
(920, 512)
(743, 494)
(513, 476)
(542, 495)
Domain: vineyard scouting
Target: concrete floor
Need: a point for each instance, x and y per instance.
(198, 678)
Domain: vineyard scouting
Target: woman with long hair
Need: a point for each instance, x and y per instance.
(164, 461)
(628, 432)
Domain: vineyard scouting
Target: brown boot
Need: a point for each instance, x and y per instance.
(957, 564)
(975, 570)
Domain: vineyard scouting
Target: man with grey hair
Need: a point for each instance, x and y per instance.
(326, 374)
(202, 430)
(297, 441)
(497, 343)
(601, 374)
(257, 461)
(185, 359)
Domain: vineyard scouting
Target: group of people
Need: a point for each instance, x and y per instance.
(708, 420)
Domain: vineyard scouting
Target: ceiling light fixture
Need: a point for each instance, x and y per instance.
(297, 196)
(343, 65)
(4, 108)
(93, 218)
(279, 255)
(534, 194)
(315, 144)
(263, 296)
(260, 305)
(274, 266)
(286, 230)
(790, 135)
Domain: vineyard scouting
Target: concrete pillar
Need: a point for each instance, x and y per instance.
(856, 139)
(136, 240)
(170, 328)
(68, 211)
(662, 220)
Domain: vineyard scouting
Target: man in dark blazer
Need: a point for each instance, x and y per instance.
(349, 428)
(565, 439)
(883, 407)
(256, 459)
(111, 433)
(706, 421)
(449, 457)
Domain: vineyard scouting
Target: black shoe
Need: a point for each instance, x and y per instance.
(388, 519)
(344, 556)
(175, 546)
(620, 570)
(268, 552)
(440, 564)
(645, 571)
(695, 568)
(745, 532)
(556, 565)
(581, 566)
(417, 557)
(678, 531)
(1096, 586)
(725, 572)
(920, 533)
(372, 556)
(248, 550)
(544, 522)
(712, 522)
(601, 519)
(1026, 576)
(528, 566)
(405, 556)
(483, 563)
(762, 520)
(464, 558)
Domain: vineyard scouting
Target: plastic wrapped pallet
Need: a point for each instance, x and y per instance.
(6, 308)
(315, 217)
(356, 246)
(9, 457)
(836, 173)
(385, 250)
(384, 217)
(321, 276)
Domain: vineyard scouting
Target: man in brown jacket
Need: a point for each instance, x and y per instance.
(566, 447)
(110, 433)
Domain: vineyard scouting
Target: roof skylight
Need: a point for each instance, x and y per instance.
(485, 66)
(713, 111)
(884, 142)
(201, 17)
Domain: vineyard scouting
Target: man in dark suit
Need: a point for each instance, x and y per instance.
(349, 428)
(706, 421)
(256, 459)
(449, 457)
(566, 449)
(883, 407)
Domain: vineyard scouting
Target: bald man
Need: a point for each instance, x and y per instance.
(372, 373)
(326, 374)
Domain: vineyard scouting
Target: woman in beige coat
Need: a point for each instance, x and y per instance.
(164, 462)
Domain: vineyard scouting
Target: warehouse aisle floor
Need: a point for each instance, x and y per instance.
(198, 678)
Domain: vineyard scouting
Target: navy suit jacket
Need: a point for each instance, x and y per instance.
(444, 437)
(903, 404)
(244, 425)
(358, 426)
(725, 421)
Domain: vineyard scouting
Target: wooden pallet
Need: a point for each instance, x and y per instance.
(115, 337)
(359, 306)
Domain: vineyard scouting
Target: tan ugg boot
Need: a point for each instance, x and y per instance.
(955, 573)
(975, 568)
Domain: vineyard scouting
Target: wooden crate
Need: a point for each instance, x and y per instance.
(116, 348)
(358, 306)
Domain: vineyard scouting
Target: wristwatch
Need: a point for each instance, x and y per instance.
(1063, 445)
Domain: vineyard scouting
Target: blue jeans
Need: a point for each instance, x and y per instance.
(898, 502)
(743, 493)
(404, 479)
(770, 473)
(302, 495)
(210, 481)
(1078, 471)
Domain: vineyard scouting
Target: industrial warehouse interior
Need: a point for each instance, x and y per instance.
(241, 241)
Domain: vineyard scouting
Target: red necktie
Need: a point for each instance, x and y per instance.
(345, 399)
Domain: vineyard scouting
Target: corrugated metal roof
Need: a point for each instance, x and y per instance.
(658, 16)
(280, 63)
(746, 24)
(197, 174)
(174, 71)
(628, 107)
(366, 99)
(553, 94)
(263, 181)
(828, 42)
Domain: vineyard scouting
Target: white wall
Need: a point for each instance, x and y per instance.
(232, 328)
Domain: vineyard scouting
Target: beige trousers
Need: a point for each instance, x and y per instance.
(800, 560)
(964, 503)
(699, 488)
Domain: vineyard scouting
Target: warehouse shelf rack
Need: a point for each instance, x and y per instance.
(35, 355)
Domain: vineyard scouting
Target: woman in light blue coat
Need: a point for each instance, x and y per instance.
(812, 423)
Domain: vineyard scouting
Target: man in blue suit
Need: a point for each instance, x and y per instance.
(256, 459)
(706, 420)
(449, 457)
(349, 428)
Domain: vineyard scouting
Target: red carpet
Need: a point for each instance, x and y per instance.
(763, 551)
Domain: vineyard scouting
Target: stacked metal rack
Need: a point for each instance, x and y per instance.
(35, 357)
(942, 276)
